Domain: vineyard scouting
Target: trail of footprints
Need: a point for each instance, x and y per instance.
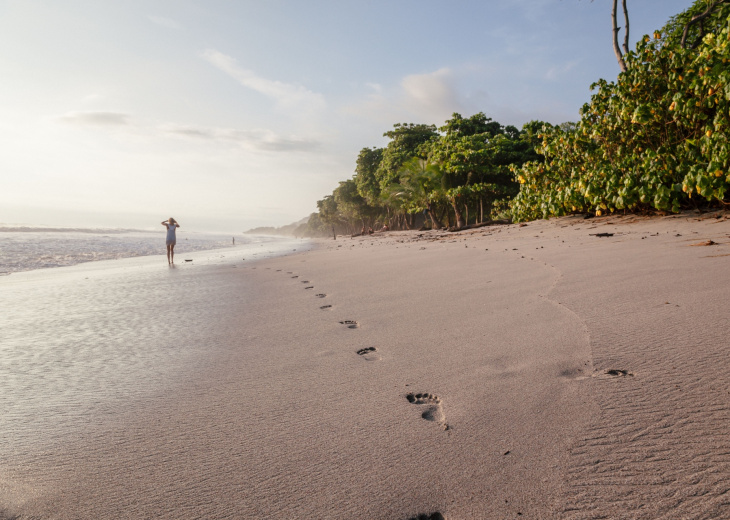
(430, 405)
(432, 409)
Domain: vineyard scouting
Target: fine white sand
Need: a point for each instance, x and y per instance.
(532, 371)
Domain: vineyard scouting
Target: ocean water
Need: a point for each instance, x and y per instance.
(26, 249)
(84, 342)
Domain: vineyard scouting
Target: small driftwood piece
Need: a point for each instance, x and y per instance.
(601, 234)
(481, 224)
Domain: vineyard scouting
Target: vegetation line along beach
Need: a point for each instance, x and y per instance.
(654, 140)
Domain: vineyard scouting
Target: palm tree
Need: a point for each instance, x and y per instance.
(419, 188)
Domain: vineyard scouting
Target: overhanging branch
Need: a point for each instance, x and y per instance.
(616, 29)
(698, 19)
(626, 33)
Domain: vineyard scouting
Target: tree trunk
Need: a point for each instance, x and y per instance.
(481, 209)
(457, 214)
(466, 210)
(435, 221)
(616, 29)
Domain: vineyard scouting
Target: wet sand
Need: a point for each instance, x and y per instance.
(533, 371)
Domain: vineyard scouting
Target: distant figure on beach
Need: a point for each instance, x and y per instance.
(171, 225)
(385, 228)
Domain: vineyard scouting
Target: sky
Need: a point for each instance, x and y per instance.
(228, 115)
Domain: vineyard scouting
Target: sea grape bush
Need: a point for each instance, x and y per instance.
(656, 138)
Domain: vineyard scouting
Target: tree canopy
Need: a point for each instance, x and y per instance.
(654, 139)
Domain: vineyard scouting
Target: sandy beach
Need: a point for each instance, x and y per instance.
(516, 371)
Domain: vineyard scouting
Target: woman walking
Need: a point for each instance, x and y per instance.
(171, 225)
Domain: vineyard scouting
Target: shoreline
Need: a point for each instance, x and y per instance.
(536, 369)
(75, 254)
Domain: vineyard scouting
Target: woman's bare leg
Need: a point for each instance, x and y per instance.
(172, 253)
(169, 248)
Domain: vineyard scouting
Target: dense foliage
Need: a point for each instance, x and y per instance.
(654, 139)
(424, 175)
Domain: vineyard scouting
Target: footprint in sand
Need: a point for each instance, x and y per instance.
(310, 287)
(432, 516)
(305, 281)
(573, 374)
(295, 276)
(433, 411)
(320, 295)
(369, 354)
(325, 307)
(618, 373)
(350, 324)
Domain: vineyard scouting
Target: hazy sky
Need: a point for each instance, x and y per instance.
(229, 114)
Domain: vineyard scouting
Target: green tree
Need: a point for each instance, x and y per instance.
(475, 155)
(353, 210)
(419, 189)
(406, 140)
(655, 138)
(366, 179)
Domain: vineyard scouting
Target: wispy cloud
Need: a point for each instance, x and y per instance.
(432, 94)
(95, 118)
(264, 140)
(429, 97)
(377, 87)
(165, 22)
(287, 96)
(554, 73)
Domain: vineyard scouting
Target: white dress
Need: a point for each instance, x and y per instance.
(170, 240)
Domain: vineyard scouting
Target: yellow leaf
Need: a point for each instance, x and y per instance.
(708, 133)
(684, 188)
(598, 213)
(718, 173)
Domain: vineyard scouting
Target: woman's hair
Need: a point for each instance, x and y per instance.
(172, 221)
